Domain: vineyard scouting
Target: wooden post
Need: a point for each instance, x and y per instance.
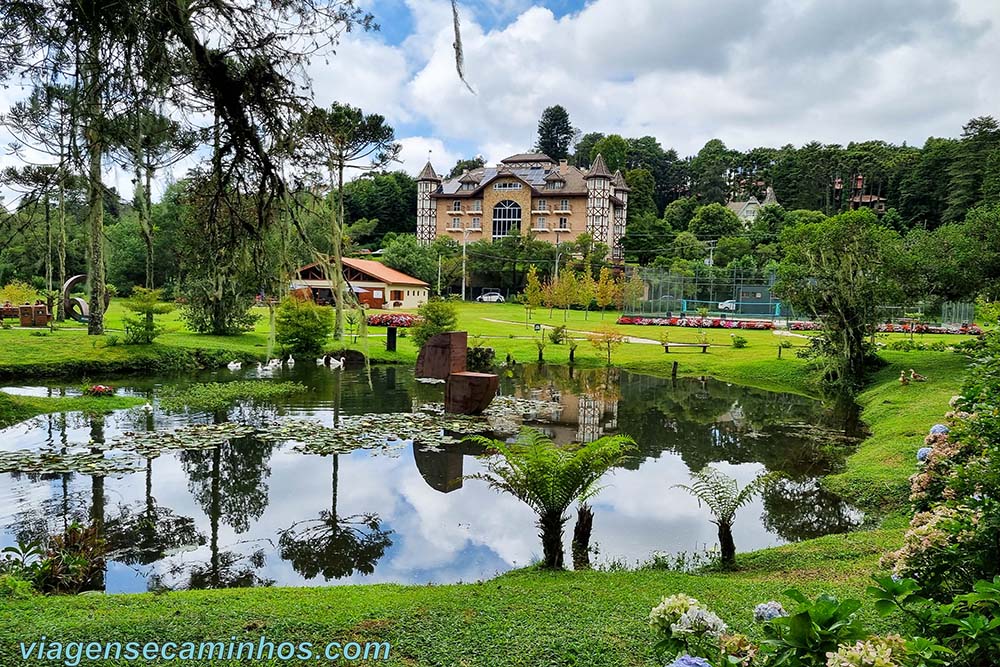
(673, 371)
(390, 339)
(779, 351)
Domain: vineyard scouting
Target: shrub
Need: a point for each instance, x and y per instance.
(739, 342)
(558, 334)
(18, 292)
(145, 303)
(438, 317)
(302, 327)
(15, 588)
(606, 340)
(816, 628)
(74, 562)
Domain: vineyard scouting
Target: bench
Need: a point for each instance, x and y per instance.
(703, 346)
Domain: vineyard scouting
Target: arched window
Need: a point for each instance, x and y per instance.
(506, 219)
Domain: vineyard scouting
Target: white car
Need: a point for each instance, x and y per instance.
(490, 297)
(728, 305)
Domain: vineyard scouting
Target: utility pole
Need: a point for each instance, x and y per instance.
(555, 276)
(465, 241)
(439, 274)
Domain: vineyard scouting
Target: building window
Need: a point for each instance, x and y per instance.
(564, 205)
(555, 185)
(563, 223)
(396, 295)
(456, 205)
(456, 223)
(506, 219)
(539, 223)
(507, 185)
(477, 205)
(542, 205)
(468, 186)
(477, 223)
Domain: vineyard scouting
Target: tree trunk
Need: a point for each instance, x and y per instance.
(551, 526)
(61, 240)
(727, 547)
(95, 187)
(581, 537)
(338, 264)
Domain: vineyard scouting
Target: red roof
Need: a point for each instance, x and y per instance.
(380, 272)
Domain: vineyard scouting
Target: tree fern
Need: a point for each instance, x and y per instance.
(549, 478)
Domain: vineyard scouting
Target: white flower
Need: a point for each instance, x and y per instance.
(698, 621)
(663, 615)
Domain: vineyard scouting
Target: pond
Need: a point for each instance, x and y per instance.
(257, 510)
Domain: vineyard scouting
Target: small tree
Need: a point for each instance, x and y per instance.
(564, 291)
(533, 291)
(586, 289)
(147, 303)
(302, 327)
(438, 317)
(549, 478)
(723, 497)
(606, 339)
(606, 291)
(632, 291)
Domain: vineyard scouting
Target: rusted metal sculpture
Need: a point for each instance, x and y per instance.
(443, 357)
(75, 307)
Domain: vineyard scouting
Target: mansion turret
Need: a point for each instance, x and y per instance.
(526, 193)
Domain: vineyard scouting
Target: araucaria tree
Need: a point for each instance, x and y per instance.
(555, 133)
(723, 496)
(841, 272)
(335, 140)
(549, 478)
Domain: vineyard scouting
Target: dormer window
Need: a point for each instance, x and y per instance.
(507, 185)
(555, 185)
(467, 186)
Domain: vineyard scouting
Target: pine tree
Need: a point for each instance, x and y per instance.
(555, 133)
(980, 138)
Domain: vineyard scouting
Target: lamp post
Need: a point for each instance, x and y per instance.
(555, 276)
(465, 240)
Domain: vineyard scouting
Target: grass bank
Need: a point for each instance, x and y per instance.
(523, 618)
(14, 409)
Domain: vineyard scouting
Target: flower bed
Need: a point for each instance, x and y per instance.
(393, 320)
(99, 390)
(696, 322)
(889, 327)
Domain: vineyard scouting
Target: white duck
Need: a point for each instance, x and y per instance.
(272, 364)
(234, 365)
(320, 361)
(336, 363)
(291, 361)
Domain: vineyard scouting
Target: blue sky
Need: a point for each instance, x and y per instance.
(748, 72)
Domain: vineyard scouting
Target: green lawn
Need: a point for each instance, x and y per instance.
(526, 617)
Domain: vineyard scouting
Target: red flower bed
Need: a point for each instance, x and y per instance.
(696, 322)
(99, 390)
(889, 327)
(393, 320)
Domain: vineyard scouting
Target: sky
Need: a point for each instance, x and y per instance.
(749, 72)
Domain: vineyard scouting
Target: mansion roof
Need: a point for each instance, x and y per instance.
(536, 170)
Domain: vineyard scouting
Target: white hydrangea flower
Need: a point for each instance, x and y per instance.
(700, 622)
(670, 609)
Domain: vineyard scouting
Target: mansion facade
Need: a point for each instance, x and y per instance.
(525, 193)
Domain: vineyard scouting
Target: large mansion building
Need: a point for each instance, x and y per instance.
(525, 193)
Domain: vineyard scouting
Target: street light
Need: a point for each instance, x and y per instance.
(465, 240)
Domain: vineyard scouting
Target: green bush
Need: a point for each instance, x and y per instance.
(739, 342)
(18, 293)
(141, 328)
(438, 317)
(809, 633)
(302, 327)
(13, 587)
(558, 334)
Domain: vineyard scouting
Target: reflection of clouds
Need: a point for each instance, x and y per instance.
(470, 533)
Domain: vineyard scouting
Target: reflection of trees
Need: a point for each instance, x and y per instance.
(802, 509)
(332, 545)
(227, 569)
(229, 484)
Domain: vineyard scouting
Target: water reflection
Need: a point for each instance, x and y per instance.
(253, 513)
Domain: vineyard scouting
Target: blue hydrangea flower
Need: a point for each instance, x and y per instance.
(690, 661)
(923, 453)
(939, 428)
(768, 611)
